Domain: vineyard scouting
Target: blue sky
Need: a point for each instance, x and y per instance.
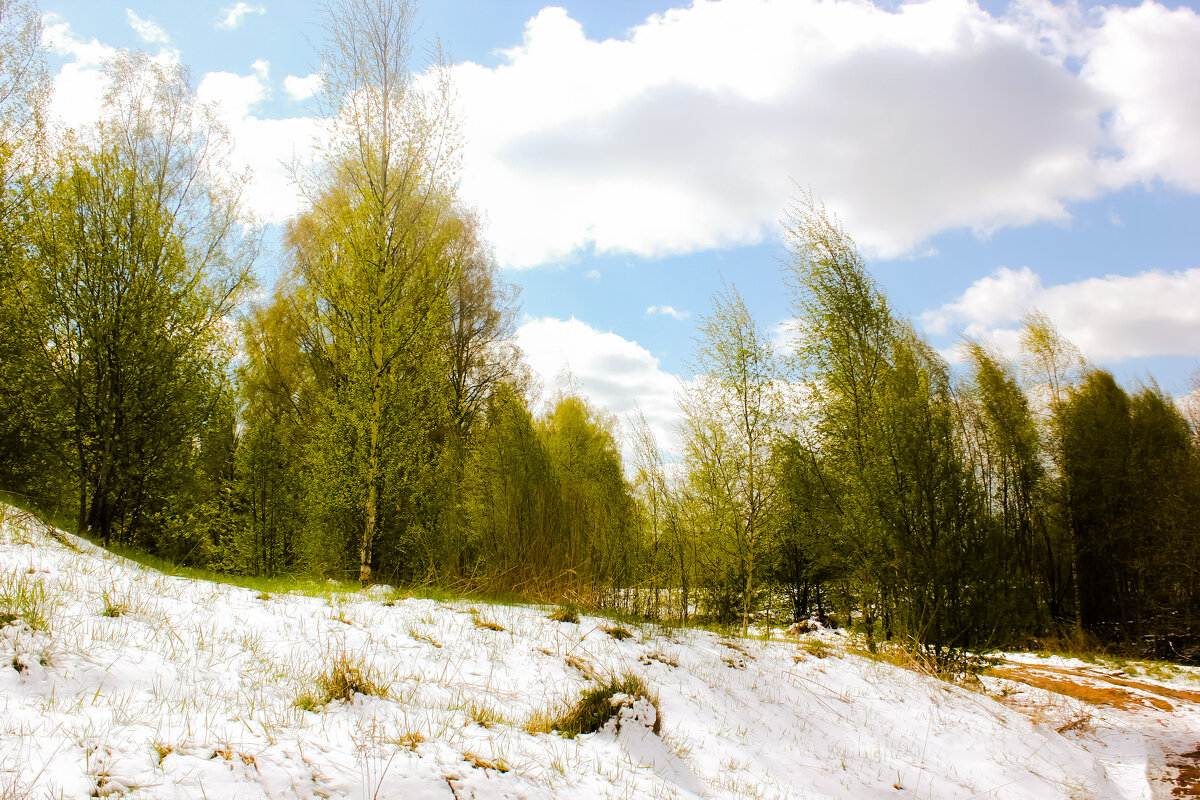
(630, 156)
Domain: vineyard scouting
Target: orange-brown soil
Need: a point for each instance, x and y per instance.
(1100, 688)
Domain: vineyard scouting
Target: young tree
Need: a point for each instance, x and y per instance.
(1052, 368)
(597, 524)
(732, 415)
(139, 254)
(1004, 449)
(883, 431)
(377, 249)
(24, 90)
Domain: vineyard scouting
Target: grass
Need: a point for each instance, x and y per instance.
(23, 597)
(816, 648)
(114, 605)
(484, 624)
(596, 706)
(485, 716)
(568, 613)
(617, 632)
(344, 676)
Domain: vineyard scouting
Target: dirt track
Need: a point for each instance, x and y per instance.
(1097, 686)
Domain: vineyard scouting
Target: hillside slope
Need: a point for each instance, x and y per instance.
(190, 691)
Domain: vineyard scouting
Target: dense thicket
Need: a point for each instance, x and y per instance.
(370, 419)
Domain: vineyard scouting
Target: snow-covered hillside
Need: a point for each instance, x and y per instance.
(191, 691)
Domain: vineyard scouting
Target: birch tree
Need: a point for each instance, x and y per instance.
(376, 249)
(732, 412)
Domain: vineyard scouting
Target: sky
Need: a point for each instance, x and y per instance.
(631, 158)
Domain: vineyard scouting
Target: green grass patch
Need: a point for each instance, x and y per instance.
(596, 706)
(344, 676)
(24, 597)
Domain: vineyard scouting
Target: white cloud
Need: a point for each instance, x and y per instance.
(235, 95)
(233, 15)
(1144, 61)
(265, 146)
(1110, 319)
(683, 136)
(302, 88)
(146, 29)
(79, 86)
(611, 370)
(668, 311)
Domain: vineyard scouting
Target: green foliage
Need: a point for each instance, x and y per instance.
(597, 508)
(1129, 476)
(134, 256)
(732, 415)
(919, 544)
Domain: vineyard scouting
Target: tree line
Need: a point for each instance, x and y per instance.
(371, 418)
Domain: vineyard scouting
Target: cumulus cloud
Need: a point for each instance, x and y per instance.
(146, 29)
(80, 84)
(1110, 319)
(232, 16)
(264, 146)
(302, 88)
(611, 371)
(236, 95)
(684, 135)
(1144, 62)
(668, 311)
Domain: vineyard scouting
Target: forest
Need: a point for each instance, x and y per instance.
(370, 417)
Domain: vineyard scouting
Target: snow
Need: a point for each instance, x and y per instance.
(191, 694)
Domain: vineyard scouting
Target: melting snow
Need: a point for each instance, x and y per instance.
(191, 694)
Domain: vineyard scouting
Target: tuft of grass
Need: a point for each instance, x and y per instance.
(596, 707)
(660, 657)
(479, 762)
(423, 637)
(161, 751)
(568, 613)
(487, 625)
(23, 597)
(816, 648)
(410, 741)
(485, 716)
(617, 632)
(483, 624)
(114, 605)
(344, 676)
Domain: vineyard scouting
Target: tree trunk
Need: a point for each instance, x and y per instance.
(371, 510)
